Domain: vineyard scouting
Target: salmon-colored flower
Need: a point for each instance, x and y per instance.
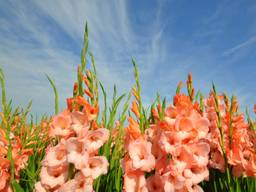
(79, 183)
(155, 183)
(54, 178)
(135, 182)
(39, 187)
(172, 182)
(132, 131)
(4, 163)
(195, 174)
(202, 127)
(175, 169)
(195, 154)
(217, 161)
(250, 168)
(60, 125)
(95, 139)
(90, 111)
(55, 156)
(76, 153)
(127, 165)
(168, 142)
(182, 103)
(70, 103)
(80, 123)
(4, 179)
(170, 122)
(96, 166)
(140, 154)
(135, 109)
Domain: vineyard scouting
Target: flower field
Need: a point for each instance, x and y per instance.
(194, 143)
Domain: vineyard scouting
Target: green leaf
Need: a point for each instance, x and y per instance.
(16, 186)
(104, 115)
(85, 48)
(3, 88)
(55, 94)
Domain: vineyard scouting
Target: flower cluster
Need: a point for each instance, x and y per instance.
(172, 153)
(232, 139)
(15, 149)
(19, 156)
(138, 159)
(74, 163)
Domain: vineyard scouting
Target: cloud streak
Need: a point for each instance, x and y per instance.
(241, 46)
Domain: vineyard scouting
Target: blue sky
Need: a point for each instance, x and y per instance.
(215, 40)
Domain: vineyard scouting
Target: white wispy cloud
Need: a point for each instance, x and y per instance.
(245, 44)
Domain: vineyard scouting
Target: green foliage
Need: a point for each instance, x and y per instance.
(55, 94)
(31, 137)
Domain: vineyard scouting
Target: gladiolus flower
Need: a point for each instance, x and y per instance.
(55, 156)
(140, 154)
(53, 178)
(80, 123)
(135, 182)
(79, 183)
(39, 187)
(95, 139)
(155, 183)
(135, 109)
(4, 179)
(76, 153)
(96, 166)
(60, 125)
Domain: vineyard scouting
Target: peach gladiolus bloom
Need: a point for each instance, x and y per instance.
(135, 182)
(217, 160)
(132, 129)
(250, 168)
(60, 125)
(96, 166)
(78, 184)
(55, 156)
(95, 139)
(76, 153)
(155, 183)
(172, 182)
(195, 174)
(135, 109)
(39, 187)
(4, 179)
(53, 178)
(140, 154)
(126, 164)
(80, 123)
(195, 154)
